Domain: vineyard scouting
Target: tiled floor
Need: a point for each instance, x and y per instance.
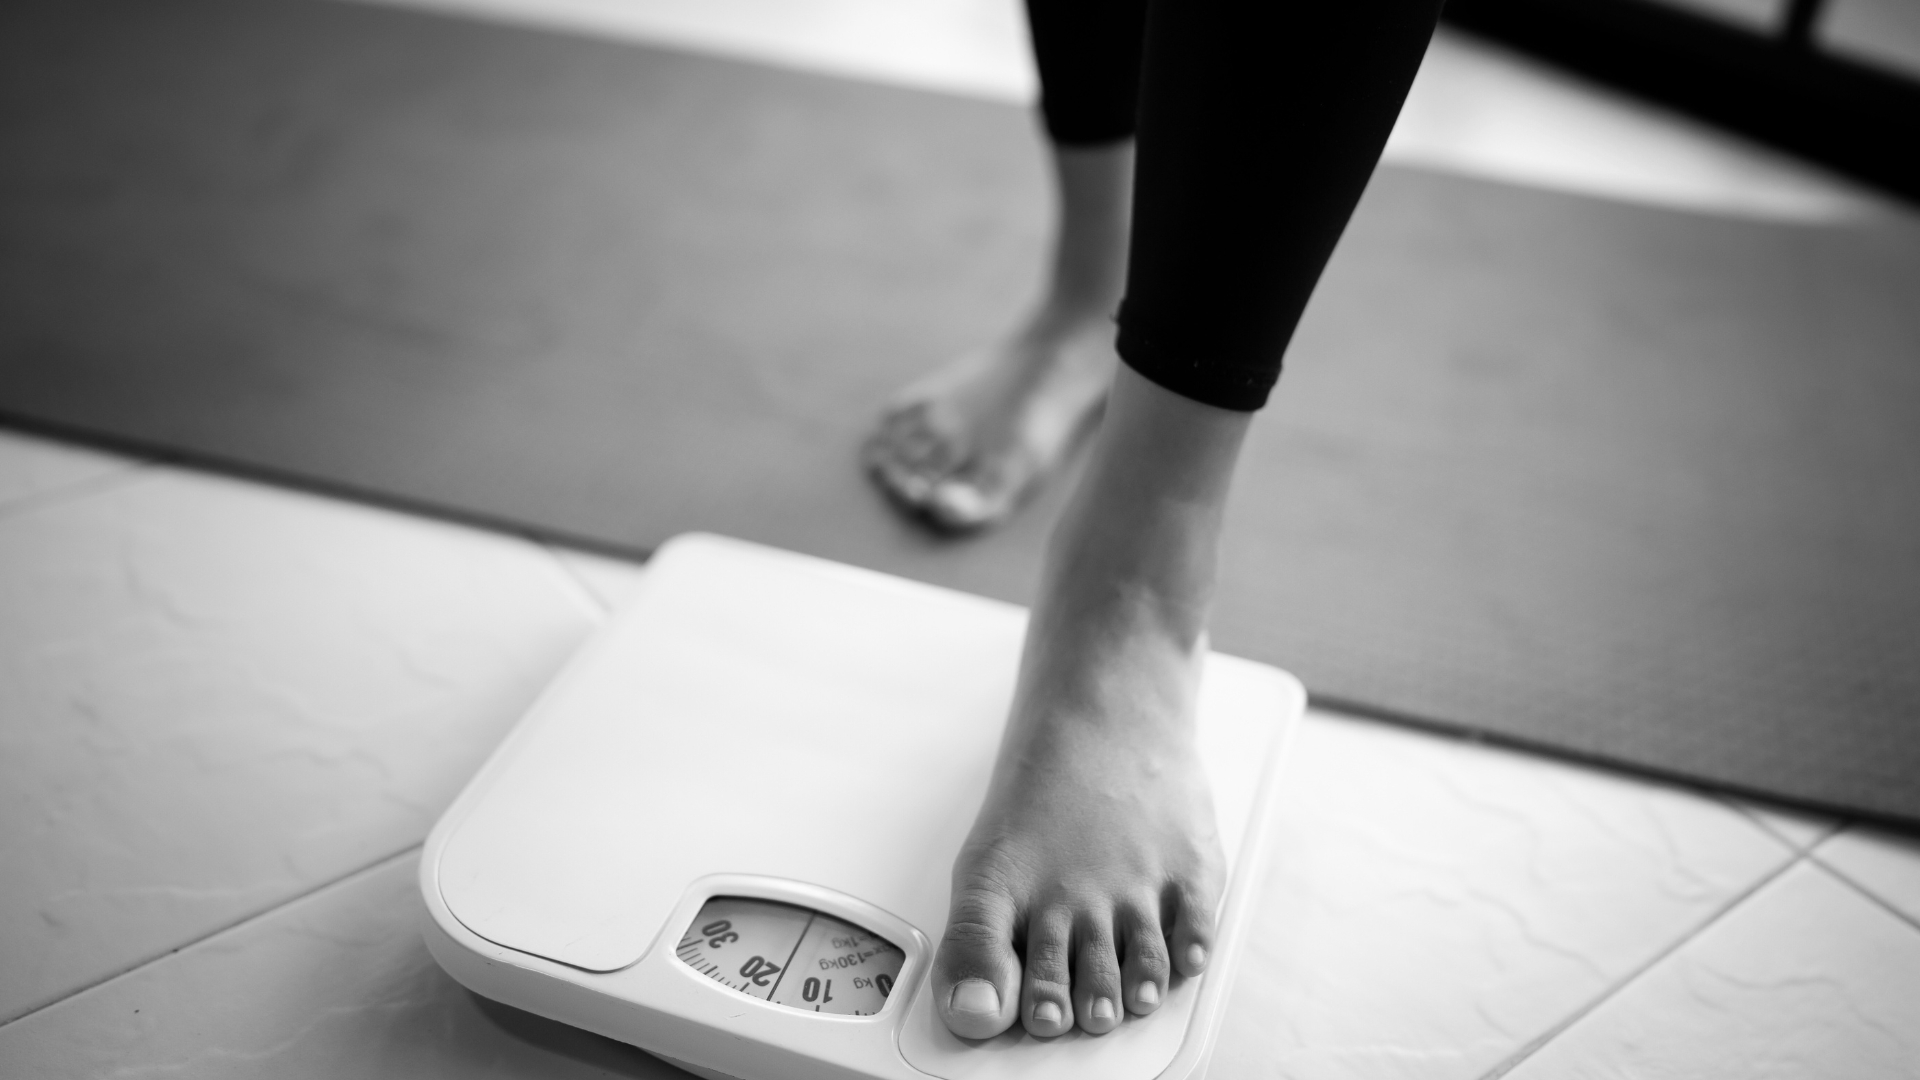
(1807, 977)
(334, 984)
(32, 469)
(215, 697)
(229, 713)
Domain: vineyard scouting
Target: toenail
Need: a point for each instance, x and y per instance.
(1102, 1009)
(1148, 994)
(1046, 1012)
(960, 502)
(1196, 956)
(976, 997)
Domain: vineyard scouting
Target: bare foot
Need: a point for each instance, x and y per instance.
(964, 446)
(1094, 868)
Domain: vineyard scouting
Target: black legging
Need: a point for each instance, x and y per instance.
(1258, 123)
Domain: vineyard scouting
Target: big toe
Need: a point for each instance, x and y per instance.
(980, 494)
(1193, 929)
(976, 975)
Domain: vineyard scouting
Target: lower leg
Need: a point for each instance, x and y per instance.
(1094, 192)
(1094, 866)
(965, 444)
(1095, 853)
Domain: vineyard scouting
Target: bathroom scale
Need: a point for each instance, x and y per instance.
(724, 833)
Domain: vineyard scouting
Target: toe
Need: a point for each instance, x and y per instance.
(1193, 930)
(1144, 966)
(961, 504)
(976, 976)
(910, 437)
(1046, 997)
(906, 484)
(1096, 978)
(980, 494)
(932, 453)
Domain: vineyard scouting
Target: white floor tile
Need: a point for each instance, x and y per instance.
(32, 467)
(1438, 905)
(1476, 108)
(215, 696)
(1883, 863)
(608, 580)
(1801, 829)
(335, 985)
(1806, 978)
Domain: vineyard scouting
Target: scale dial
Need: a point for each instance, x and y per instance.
(791, 955)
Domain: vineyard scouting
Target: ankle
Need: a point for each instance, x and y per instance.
(1138, 544)
(1061, 317)
(1108, 664)
(1144, 579)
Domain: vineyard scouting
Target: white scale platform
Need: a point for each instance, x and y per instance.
(725, 831)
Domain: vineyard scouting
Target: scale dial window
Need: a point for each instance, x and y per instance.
(791, 955)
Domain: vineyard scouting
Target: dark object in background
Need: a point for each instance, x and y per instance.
(1782, 83)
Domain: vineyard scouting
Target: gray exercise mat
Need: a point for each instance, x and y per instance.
(1623, 483)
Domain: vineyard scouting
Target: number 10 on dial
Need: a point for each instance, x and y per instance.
(791, 956)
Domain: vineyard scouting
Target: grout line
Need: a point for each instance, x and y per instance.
(1518, 1057)
(1746, 808)
(76, 490)
(575, 581)
(1845, 879)
(236, 924)
(1741, 808)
